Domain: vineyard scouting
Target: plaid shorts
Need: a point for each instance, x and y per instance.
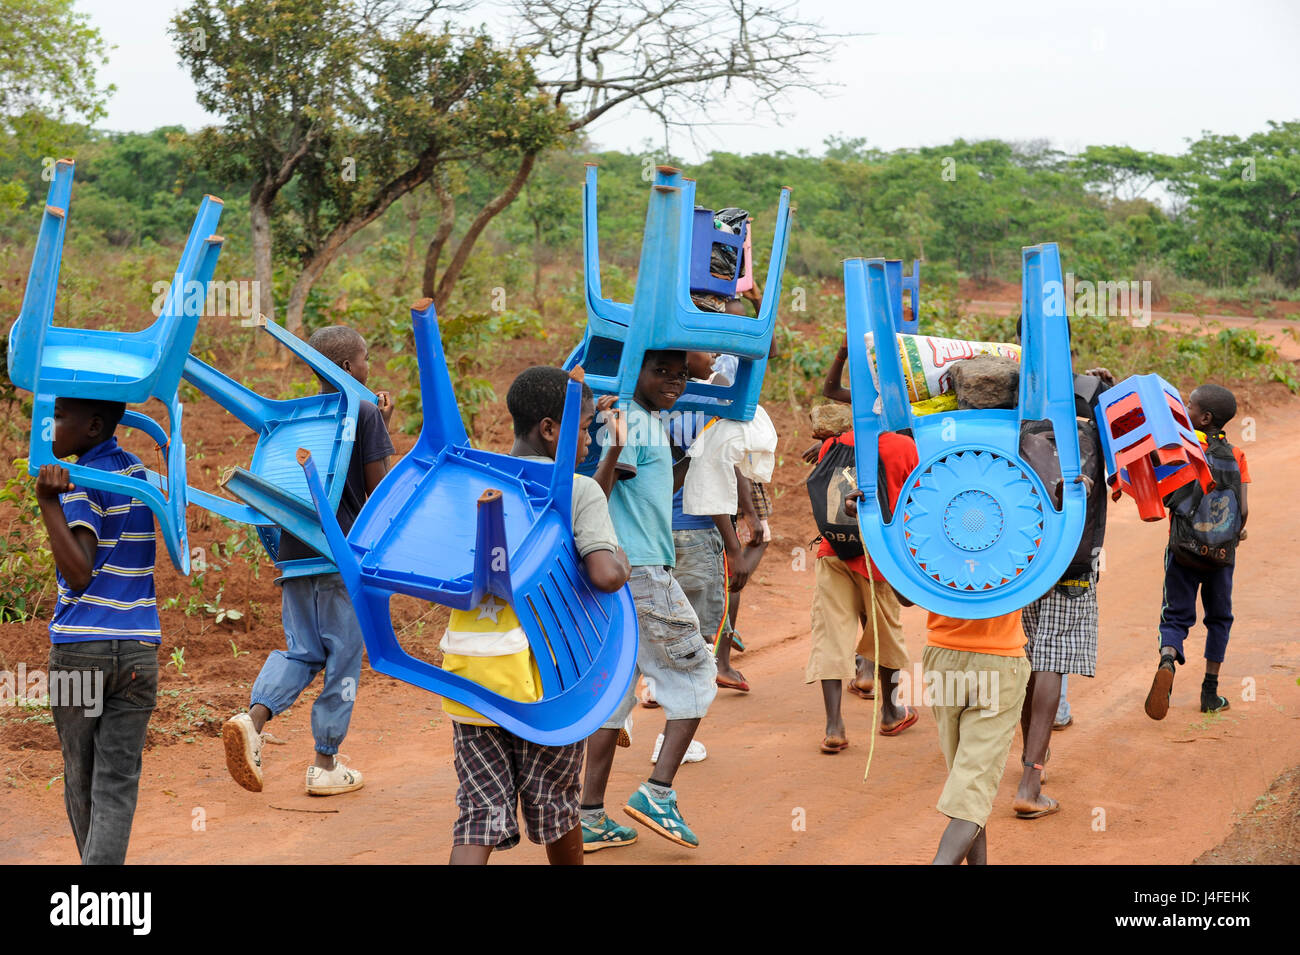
(1061, 627)
(498, 772)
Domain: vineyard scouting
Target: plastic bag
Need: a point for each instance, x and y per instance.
(722, 263)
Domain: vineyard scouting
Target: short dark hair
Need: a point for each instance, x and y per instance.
(338, 343)
(1218, 401)
(538, 393)
(110, 412)
(653, 354)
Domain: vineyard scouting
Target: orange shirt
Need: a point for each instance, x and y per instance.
(1237, 453)
(898, 453)
(1000, 636)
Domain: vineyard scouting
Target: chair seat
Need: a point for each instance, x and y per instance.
(95, 362)
(424, 533)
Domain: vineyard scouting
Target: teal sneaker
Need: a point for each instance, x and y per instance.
(607, 833)
(661, 816)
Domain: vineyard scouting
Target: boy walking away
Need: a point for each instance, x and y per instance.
(499, 772)
(981, 671)
(849, 588)
(1061, 626)
(320, 626)
(1204, 529)
(638, 475)
(104, 633)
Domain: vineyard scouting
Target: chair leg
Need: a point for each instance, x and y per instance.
(491, 550)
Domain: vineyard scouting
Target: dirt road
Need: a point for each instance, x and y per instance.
(1132, 790)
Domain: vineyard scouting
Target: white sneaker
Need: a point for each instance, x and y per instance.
(695, 753)
(625, 733)
(332, 782)
(243, 751)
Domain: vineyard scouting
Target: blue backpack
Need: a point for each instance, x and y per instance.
(1206, 525)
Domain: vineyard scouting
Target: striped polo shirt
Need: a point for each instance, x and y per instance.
(120, 603)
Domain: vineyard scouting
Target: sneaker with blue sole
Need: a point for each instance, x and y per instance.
(661, 815)
(606, 833)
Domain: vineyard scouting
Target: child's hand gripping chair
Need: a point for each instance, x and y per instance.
(662, 315)
(419, 535)
(273, 488)
(1142, 420)
(976, 533)
(59, 362)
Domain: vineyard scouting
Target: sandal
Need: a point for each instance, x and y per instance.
(834, 744)
(912, 716)
(1052, 806)
(1162, 688)
(867, 692)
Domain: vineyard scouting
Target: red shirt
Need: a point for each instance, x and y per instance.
(898, 454)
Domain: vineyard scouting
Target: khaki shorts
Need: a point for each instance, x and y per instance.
(975, 734)
(840, 612)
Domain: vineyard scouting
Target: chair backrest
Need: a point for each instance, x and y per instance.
(975, 533)
(27, 335)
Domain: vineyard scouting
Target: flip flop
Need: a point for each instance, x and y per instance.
(1069, 720)
(736, 645)
(1052, 806)
(861, 691)
(742, 685)
(1162, 688)
(834, 744)
(911, 717)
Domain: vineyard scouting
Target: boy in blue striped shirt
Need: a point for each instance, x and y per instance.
(103, 672)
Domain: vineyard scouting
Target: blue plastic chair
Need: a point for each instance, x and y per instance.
(273, 489)
(704, 236)
(664, 317)
(59, 362)
(418, 535)
(975, 533)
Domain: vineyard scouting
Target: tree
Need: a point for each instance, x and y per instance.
(48, 60)
(361, 103)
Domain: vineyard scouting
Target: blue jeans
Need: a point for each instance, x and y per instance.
(321, 632)
(101, 695)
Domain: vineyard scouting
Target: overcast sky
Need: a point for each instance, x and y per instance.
(1144, 74)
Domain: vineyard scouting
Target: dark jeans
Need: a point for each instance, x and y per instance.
(101, 694)
(1178, 614)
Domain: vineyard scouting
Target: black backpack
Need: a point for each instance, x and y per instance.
(1206, 525)
(1038, 448)
(833, 478)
